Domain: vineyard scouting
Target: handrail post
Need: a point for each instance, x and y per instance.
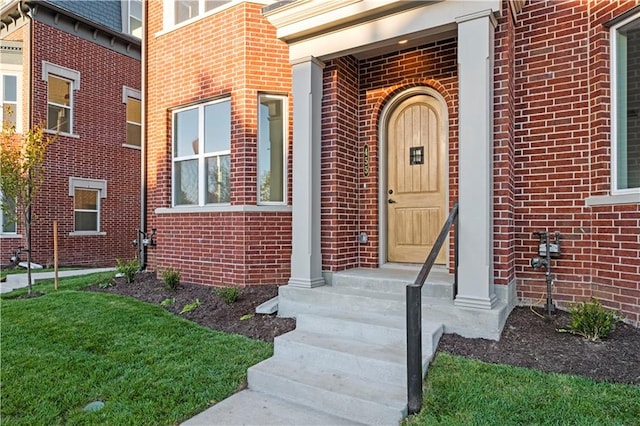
(414, 348)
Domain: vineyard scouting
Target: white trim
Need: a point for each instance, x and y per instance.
(225, 209)
(126, 145)
(604, 200)
(15, 71)
(285, 148)
(201, 156)
(383, 163)
(9, 235)
(168, 14)
(56, 133)
(60, 71)
(614, 113)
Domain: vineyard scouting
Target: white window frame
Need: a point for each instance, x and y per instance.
(615, 191)
(3, 233)
(284, 106)
(129, 93)
(49, 69)
(127, 16)
(16, 72)
(201, 156)
(98, 185)
(169, 13)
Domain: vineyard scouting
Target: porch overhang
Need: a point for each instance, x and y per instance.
(329, 29)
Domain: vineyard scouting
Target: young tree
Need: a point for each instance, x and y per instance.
(21, 175)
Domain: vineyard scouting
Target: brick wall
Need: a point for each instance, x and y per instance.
(96, 153)
(563, 156)
(231, 53)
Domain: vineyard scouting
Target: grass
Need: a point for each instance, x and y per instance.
(68, 348)
(460, 391)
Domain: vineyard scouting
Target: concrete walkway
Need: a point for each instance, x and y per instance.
(15, 281)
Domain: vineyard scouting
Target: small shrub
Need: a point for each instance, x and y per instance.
(171, 278)
(229, 294)
(591, 320)
(105, 284)
(190, 307)
(168, 301)
(128, 269)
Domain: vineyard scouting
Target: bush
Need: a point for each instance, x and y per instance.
(229, 294)
(171, 278)
(591, 320)
(128, 269)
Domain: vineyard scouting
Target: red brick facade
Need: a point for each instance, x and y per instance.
(551, 149)
(232, 53)
(94, 151)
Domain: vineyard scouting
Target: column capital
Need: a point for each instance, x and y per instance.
(308, 59)
(477, 15)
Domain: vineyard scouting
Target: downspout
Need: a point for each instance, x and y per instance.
(143, 142)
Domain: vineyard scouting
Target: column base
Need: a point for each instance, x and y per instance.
(476, 302)
(306, 283)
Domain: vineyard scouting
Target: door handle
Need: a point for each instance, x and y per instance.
(390, 201)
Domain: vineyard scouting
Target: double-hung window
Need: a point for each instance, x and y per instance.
(9, 92)
(271, 149)
(135, 18)
(202, 154)
(87, 195)
(131, 99)
(62, 82)
(625, 90)
(59, 110)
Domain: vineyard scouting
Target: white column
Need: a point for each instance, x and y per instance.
(475, 106)
(306, 260)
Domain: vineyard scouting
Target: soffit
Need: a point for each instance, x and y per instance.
(363, 28)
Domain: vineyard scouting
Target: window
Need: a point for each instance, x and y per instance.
(87, 195)
(184, 10)
(271, 149)
(59, 104)
(201, 154)
(86, 210)
(7, 223)
(9, 91)
(135, 18)
(625, 92)
(61, 83)
(131, 98)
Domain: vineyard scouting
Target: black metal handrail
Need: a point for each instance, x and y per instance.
(414, 312)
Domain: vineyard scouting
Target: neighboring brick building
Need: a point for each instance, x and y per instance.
(74, 68)
(518, 110)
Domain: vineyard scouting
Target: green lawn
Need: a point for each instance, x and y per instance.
(460, 391)
(68, 348)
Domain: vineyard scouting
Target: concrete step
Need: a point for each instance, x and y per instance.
(439, 283)
(369, 327)
(376, 363)
(337, 392)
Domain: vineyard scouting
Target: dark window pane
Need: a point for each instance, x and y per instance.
(86, 221)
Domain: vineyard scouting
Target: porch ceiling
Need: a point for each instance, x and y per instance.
(330, 28)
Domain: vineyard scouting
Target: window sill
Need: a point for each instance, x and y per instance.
(606, 200)
(126, 145)
(224, 209)
(9, 235)
(86, 233)
(68, 135)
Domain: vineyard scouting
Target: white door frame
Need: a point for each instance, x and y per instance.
(383, 154)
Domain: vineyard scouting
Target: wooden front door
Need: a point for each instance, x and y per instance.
(416, 197)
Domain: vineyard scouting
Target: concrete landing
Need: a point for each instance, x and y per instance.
(248, 407)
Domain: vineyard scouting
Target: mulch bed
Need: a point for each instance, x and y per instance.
(528, 340)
